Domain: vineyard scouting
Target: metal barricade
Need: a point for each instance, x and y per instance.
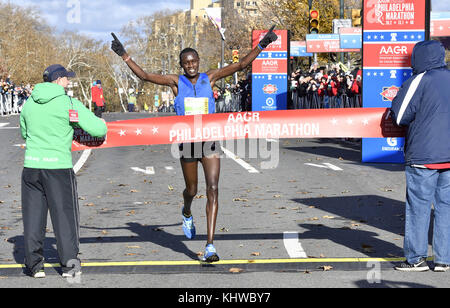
(10, 104)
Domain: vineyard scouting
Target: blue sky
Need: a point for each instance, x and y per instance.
(98, 18)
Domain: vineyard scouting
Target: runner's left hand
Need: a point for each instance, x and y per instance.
(268, 38)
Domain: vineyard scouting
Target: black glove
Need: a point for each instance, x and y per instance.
(117, 46)
(268, 38)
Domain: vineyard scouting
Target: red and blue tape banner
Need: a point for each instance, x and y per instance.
(312, 123)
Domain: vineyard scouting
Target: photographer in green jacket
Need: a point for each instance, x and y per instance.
(47, 123)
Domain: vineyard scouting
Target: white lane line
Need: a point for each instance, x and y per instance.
(293, 246)
(333, 167)
(3, 124)
(147, 170)
(318, 166)
(82, 160)
(326, 166)
(246, 166)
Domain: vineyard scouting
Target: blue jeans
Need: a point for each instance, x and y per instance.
(423, 188)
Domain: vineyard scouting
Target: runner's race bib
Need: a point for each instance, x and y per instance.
(195, 105)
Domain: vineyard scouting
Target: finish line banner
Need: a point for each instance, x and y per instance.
(316, 123)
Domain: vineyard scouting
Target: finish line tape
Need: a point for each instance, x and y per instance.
(315, 123)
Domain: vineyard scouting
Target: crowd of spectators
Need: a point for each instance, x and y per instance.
(12, 96)
(325, 87)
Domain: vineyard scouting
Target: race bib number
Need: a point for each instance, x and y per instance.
(196, 105)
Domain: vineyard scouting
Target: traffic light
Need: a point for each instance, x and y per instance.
(314, 21)
(356, 17)
(235, 56)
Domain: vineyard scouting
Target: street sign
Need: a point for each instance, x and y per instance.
(350, 37)
(440, 24)
(298, 49)
(341, 23)
(325, 43)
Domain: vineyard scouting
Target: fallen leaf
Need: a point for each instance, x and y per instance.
(255, 254)
(89, 204)
(236, 270)
(328, 217)
(313, 218)
(326, 268)
(170, 187)
(200, 197)
(104, 232)
(224, 229)
(240, 199)
(134, 191)
(121, 185)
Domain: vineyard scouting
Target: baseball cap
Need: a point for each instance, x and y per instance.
(56, 71)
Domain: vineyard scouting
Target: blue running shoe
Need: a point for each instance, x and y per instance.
(188, 226)
(210, 254)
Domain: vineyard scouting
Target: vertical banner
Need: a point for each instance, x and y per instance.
(270, 73)
(391, 28)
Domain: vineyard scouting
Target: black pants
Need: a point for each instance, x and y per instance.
(53, 191)
(98, 110)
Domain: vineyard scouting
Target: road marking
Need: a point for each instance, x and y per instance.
(23, 145)
(333, 167)
(82, 160)
(245, 165)
(293, 246)
(326, 166)
(272, 140)
(148, 170)
(221, 262)
(169, 168)
(3, 124)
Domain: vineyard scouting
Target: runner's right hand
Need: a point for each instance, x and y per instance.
(117, 46)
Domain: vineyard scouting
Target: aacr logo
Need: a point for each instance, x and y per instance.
(394, 50)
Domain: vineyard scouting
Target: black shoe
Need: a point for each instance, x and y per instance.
(439, 267)
(420, 266)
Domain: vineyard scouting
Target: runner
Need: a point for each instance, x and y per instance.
(194, 95)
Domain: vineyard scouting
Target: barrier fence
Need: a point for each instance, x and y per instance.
(10, 104)
(236, 102)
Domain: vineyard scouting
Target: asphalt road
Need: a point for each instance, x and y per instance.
(292, 213)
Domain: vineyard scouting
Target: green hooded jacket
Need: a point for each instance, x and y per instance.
(47, 130)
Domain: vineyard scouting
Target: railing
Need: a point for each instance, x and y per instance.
(10, 104)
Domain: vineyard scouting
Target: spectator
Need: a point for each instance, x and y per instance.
(98, 99)
(131, 100)
(47, 125)
(422, 106)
